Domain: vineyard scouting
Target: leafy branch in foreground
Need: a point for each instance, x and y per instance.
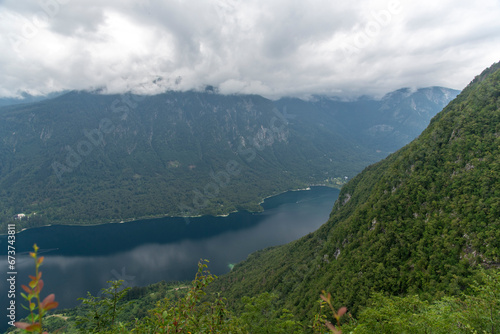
(102, 311)
(33, 290)
(188, 314)
(336, 314)
(478, 312)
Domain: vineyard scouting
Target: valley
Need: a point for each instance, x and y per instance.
(87, 158)
(418, 228)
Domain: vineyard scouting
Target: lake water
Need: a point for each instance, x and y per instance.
(82, 258)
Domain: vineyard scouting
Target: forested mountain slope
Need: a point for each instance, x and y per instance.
(89, 158)
(25, 97)
(420, 221)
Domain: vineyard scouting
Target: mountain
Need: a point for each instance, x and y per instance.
(88, 158)
(421, 221)
(27, 98)
(383, 125)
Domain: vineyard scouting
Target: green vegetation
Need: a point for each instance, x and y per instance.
(193, 312)
(476, 313)
(420, 222)
(85, 158)
(36, 306)
(186, 313)
(102, 312)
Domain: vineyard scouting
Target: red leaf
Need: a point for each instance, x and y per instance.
(22, 325)
(332, 328)
(40, 260)
(49, 303)
(33, 327)
(25, 288)
(49, 299)
(39, 286)
(342, 311)
(50, 306)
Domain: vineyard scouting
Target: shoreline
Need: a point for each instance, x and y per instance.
(308, 188)
(284, 192)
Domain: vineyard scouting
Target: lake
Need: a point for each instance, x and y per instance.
(82, 258)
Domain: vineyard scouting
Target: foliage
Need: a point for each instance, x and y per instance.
(422, 221)
(327, 298)
(102, 311)
(37, 308)
(188, 314)
(261, 315)
(478, 312)
(474, 312)
(483, 305)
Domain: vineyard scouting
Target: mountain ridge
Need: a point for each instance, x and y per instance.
(82, 157)
(419, 221)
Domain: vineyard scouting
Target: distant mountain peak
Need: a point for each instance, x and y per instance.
(27, 97)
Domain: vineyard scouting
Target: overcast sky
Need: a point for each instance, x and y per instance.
(268, 47)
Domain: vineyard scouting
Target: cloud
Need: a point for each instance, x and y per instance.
(272, 48)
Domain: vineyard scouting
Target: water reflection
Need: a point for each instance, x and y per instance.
(81, 259)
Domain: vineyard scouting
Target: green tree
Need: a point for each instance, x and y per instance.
(101, 312)
(262, 316)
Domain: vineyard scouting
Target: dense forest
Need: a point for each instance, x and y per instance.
(422, 221)
(86, 158)
(183, 307)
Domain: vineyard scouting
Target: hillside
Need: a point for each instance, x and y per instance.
(25, 97)
(420, 221)
(383, 125)
(88, 158)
